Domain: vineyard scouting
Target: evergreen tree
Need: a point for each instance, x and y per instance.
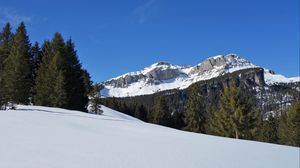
(160, 111)
(268, 129)
(236, 118)
(289, 128)
(36, 58)
(42, 87)
(140, 112)
(95, 100)
(60, 66)
(6, 37)
(17, 69)
(58, 95)
(87, 84)
(195, 112)
(75, 84)
(50, 85)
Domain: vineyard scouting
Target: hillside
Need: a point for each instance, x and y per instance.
(35, 137)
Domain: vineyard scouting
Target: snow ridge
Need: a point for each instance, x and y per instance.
(165, 76)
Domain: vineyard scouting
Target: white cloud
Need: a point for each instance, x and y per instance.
(144, 11)
(12, 16)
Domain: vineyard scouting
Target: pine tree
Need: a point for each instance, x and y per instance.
(195, 112)
(17, 69)
(161, 114)
(95, 100)
(87, 84)
(268, 129)
(140, 112)
(6, 37)
(58, 95)
(50, 85)
(237, 117)
(42, 88)
(75, 84)
(36, 58)
(60, 66)
(289, 128)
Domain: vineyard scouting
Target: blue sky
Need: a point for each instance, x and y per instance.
(116, 36)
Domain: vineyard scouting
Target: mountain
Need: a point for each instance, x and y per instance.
(35, 137)
(165, 76)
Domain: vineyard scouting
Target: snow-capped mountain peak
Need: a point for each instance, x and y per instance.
(164, 76)
(228, 63)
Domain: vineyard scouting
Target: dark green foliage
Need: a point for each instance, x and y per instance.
(289, 128)
(50, 76)
(75, 79)
(6, 37)
(160, 112)
(95, 100)
(17, 69)
(36, 58)
(49, 80)
(61, 81)
(56, 77)
(87, 83)
(236, 117)
(43, 82)
(140, 112)
(268, 129)
(195, 112)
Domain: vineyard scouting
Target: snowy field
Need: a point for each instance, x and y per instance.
(41, 137)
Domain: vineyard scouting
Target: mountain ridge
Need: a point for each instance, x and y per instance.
(162, 76)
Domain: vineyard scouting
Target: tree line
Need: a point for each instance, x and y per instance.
(235, 115)
(46, 75)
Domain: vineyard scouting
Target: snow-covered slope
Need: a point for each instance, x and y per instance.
(41, 137)
(272, 78)
(164, 76)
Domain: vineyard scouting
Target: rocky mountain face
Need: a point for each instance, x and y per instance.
(163, 76)
(269, 98)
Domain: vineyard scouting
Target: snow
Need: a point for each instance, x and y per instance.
(143, 87)
(35, 137)
(271, 79)
(232, 63)
(162, 65)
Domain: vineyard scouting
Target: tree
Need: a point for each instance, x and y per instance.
(195, 118)
(17, 69)
(56, 75)
(36, 58)
(268, 129)
(160, 111)
(87, 84)
(95, 100)
(289, 128)
(236, 117)
(140, 112)
(75, 84)
(6, 37)
(60, 66)
(50, 85)
(43, 88)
